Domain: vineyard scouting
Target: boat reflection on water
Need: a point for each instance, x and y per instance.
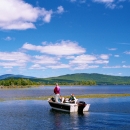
(65, 120)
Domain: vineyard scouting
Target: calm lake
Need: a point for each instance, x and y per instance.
(104, 113)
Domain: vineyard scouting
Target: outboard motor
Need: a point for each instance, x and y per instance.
(81, 105)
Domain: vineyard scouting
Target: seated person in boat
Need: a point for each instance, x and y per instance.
(61, 99)
(72, 99)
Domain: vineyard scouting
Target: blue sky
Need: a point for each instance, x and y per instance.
(46, 38)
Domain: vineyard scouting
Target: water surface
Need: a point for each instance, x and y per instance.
(65, 90)
(104, 113)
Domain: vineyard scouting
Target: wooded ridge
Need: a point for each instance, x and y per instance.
(75, 79)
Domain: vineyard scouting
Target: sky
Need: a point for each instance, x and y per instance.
(48, 38)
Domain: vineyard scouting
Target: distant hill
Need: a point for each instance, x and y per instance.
(100, 79)
(5, 76)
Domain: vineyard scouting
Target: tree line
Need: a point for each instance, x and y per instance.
(21, 83)
(18, 82)
(87, 83)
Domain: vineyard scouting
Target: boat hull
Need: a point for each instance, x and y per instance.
(69, 107)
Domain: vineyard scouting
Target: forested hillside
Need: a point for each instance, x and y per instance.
(100, 79)
(69, 79)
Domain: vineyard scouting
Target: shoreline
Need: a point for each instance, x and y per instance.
(67, 96)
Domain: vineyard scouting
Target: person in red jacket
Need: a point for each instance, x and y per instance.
(57, 92)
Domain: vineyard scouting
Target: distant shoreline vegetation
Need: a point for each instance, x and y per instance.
(15, 82)
(79, 79)
(18, 83)
(25, 83)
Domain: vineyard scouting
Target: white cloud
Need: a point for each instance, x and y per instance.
(85, 66)
(112, 49)
(127, 52)
(70, 57)
(90, 59)
(101, 61)
(8, 38)
(83, 59)
(104, 1)
(59, 66)
(73, 0)
(119, 73)
(114, 67)
(14, 56)
(104, 56)
(45, 59)
(19, 15)
(109, 3)
(11, 59)
(46, 15)
(82, 1)
(117, 66)
(37, 66)
(60, 9)
(116, 55)
(126, 66)
(12, 64)
(61, 48)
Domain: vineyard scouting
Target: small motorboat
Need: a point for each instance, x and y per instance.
(79, 107)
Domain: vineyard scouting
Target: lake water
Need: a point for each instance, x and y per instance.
(104, 113)
(65, 90)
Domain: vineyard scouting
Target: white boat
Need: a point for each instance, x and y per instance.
(79, 107)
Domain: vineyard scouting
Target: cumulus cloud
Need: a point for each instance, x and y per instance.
(83, 59)
(13, 56)
(19, 15)
(45, 59)
(60, 48)
(90, 59)
(13, 59)
(104, 56)
(59, 66)
(73, 55)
